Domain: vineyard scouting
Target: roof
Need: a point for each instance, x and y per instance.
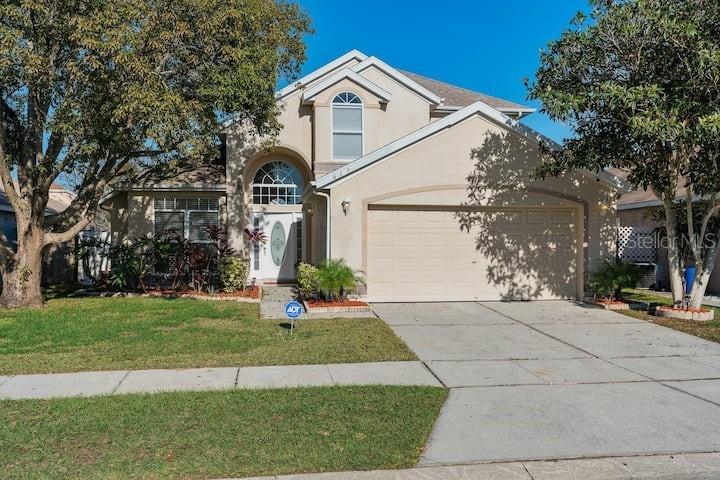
(312, 92)
(639, 197)
(479, 107)
(454, 96)
(56, 203)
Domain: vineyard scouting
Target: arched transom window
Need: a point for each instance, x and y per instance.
(347, 126)
(277, 183)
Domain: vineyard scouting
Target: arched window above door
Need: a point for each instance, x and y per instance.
(277, 183)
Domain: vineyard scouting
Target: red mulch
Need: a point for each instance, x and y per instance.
(690, 309)
(607, 301)
(345, 303)
(250, 292)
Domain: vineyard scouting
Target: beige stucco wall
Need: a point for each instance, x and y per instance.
(442, 163)
(306, 137)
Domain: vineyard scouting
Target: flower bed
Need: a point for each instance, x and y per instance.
(615, 305)
(320, 306)
(697, 314)
(249, 295)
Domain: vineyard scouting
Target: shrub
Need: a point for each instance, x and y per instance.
(123, 267)
(614, 275)
(233, 273)
(335, 279)
(307, 280)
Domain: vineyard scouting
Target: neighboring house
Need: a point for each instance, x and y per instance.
(372, 166)
(638, 227)
(58, 266)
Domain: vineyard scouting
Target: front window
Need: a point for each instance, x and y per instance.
(187, 217)
(347, 126)
(277, 183)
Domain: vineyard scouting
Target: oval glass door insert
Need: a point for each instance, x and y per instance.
(278, 239)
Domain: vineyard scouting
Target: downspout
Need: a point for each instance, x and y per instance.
(327, 222)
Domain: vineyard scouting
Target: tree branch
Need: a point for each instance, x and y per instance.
(5, 174)
(53, 238)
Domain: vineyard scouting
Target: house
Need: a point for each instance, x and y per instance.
(372, 166)
(58, 263)
(638, 225)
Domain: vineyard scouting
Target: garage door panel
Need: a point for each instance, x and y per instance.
(416, 255)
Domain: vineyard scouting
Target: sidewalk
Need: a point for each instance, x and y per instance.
(148, 381)
(700, 466)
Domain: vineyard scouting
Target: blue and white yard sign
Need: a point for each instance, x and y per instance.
(293, 310)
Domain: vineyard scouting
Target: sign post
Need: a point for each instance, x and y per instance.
(293, 310)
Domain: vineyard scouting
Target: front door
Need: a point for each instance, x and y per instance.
(274, 260)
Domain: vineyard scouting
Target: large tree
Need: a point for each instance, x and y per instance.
(639, 82)
(117, 91)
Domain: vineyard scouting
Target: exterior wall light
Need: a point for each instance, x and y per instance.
(346, 205)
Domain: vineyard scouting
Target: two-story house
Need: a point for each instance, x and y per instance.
(423, 187)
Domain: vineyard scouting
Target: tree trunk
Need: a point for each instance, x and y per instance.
(673, 252)
(22, 271)
(702, 278)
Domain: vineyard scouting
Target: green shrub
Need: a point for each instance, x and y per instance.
(234, 273)
(307, 280)
(614, 275)
(335, 279)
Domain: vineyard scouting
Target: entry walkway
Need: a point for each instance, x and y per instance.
(151, 381)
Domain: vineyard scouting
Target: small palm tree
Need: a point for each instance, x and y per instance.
(335, 279)
(612, 277)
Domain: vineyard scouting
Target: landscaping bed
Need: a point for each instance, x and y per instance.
(709, 330)
(198, 435)
(616, 305)
(249, 295)
(84, 334)
(340, 306)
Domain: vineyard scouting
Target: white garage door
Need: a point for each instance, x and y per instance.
(422, 254)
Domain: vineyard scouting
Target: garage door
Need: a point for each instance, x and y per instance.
(422, 254)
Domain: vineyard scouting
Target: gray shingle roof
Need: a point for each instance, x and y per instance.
(462, 97)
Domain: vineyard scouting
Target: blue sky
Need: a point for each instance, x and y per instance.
(488, 46)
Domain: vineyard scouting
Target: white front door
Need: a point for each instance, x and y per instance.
(274, 260)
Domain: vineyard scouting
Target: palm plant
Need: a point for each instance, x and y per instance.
(335, 279)
(614, 275)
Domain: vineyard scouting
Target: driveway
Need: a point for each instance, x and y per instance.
(550, 380)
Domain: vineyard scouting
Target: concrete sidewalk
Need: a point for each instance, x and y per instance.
(148, 381)
(701, 466)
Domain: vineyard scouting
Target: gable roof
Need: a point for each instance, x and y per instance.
(479, 107)
(459, 97)
(310, 94)
(398, 76)
(324, 70)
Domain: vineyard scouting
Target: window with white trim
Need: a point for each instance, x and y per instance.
(187, 217)
(347, 126)
(277, 183)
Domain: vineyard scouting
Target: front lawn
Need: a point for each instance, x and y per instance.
(706, 330)
(139, 333)
(217, 434)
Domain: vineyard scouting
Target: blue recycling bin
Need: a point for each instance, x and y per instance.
(689, 278)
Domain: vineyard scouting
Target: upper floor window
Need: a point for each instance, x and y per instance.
(347, 126)
(277, 183)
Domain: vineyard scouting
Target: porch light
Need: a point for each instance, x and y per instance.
(346, 205)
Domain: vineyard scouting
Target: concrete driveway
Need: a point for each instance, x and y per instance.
(551, 380)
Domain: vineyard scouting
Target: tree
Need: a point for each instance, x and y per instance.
(122, 91)
(639, 82)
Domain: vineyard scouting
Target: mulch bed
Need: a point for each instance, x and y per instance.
(345, 303)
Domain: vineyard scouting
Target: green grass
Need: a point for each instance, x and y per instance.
(138, 333)
(217, 434)
(707, 330)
